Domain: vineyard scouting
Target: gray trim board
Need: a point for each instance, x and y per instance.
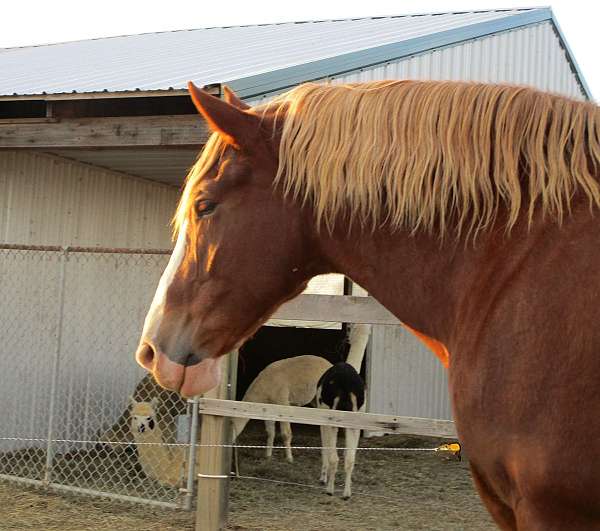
(571, 58)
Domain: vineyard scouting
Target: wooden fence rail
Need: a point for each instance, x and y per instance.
(326, 417)
(336, 308)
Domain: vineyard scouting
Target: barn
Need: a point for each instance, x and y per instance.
(96, 138)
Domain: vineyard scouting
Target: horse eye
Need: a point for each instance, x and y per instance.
(204, 207)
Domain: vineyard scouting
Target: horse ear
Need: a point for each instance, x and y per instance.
(132, 401)
(232, 99)
(154, 402)
(236, 126)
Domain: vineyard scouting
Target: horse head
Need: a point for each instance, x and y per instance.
(241, 250)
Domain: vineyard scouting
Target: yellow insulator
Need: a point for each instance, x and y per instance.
(453, 448)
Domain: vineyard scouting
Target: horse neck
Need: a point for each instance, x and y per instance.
(418, 278)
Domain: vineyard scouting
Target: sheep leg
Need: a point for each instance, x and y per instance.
(332, 459)
(270, 427)
(324, 456)
(286, 435)
(352, 436)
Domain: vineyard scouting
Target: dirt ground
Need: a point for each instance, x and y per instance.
(392, 491)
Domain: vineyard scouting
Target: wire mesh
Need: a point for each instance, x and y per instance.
(77, 411)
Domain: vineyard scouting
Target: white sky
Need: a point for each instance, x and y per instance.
(38, 22)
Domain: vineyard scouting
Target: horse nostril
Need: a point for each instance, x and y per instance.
(145, 356)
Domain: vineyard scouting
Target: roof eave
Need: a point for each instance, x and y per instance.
(136, 93)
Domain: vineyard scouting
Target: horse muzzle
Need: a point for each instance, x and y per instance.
(188, 374)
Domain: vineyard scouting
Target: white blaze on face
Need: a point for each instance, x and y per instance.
(157, 308)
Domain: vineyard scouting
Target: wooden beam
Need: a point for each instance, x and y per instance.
(21, 121)
(341, 419)
(336, 309)
(119, 132)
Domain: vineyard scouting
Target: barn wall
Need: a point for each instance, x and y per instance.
(528, 56)
(404, 378)
(96, 330)
(49, 200)
(532, 55)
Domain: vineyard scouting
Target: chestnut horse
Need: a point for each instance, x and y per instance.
(468, 210)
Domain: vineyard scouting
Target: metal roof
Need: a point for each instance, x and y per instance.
(252, 59)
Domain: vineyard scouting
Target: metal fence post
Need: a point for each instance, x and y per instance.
(191, 472)
(56, 366)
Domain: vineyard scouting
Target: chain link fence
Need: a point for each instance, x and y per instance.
(77, 412)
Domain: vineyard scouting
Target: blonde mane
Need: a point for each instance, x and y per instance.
(428, 155)
(436, 155)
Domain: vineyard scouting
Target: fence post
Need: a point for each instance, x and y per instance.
(56, 366)
(214, 462)
(189, 491)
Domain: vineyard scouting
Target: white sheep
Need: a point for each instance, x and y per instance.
(294, 382)
(289, 382)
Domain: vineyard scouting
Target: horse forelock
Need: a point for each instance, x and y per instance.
(437, 156)
(207, 158)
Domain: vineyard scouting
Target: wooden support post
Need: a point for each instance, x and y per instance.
(214, 463)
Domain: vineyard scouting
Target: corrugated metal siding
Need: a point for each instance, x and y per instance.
(528, 56)
(213, 55)
(106, 298)
(28, 315)
(46, 200)
(405, 378)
